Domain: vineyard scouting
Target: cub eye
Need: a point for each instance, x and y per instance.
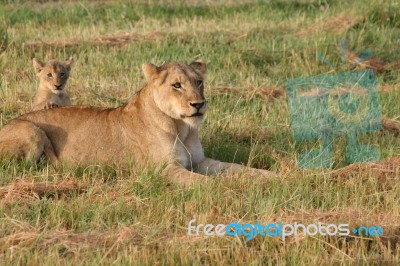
(50, 75)
(62, 74)
(199, 83)
(177, 85)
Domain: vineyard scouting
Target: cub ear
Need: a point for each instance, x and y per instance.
(69, 62)
(37, 65)
(199, 66)
(150, 72)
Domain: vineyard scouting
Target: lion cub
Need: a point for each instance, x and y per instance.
(53, 76)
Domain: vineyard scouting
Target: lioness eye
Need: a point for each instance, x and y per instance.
(62, 74)
(199, 83)
(177, 85)
(50, 75)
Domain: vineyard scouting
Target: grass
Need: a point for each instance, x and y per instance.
(102, 214)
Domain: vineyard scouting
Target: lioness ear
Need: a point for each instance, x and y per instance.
(200, 66)
(37, 65)
(149, 71)
(69, 62)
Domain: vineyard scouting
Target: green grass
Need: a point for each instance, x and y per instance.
(135, 216)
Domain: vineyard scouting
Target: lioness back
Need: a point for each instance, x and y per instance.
(82, 134)
(53, 76)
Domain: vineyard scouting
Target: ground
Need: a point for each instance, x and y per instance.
(105, 214)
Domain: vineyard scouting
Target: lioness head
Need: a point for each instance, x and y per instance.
(178, 89)
(53, 74)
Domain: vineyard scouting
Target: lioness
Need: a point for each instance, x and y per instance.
(53, 75)
(159, 124)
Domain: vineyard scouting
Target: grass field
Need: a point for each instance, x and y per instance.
(102, 214)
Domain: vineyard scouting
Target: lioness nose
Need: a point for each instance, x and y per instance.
(58, 87)
(197, 105)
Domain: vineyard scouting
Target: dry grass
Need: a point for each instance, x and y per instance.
(373, 62)
(119, 40)
(388, 87)
(391, 125)
(336, 92)
(28, 191)
(337, 24)
(354, 217)
(387, 168)
(113, 239)
(73, 242)
(266, 93)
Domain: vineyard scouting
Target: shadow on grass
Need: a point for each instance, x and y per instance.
(236, 147)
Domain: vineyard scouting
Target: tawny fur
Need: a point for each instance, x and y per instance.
(53, 76)
(158, 125)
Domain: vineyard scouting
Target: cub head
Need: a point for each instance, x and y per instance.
(178, 90)
(53, 75)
